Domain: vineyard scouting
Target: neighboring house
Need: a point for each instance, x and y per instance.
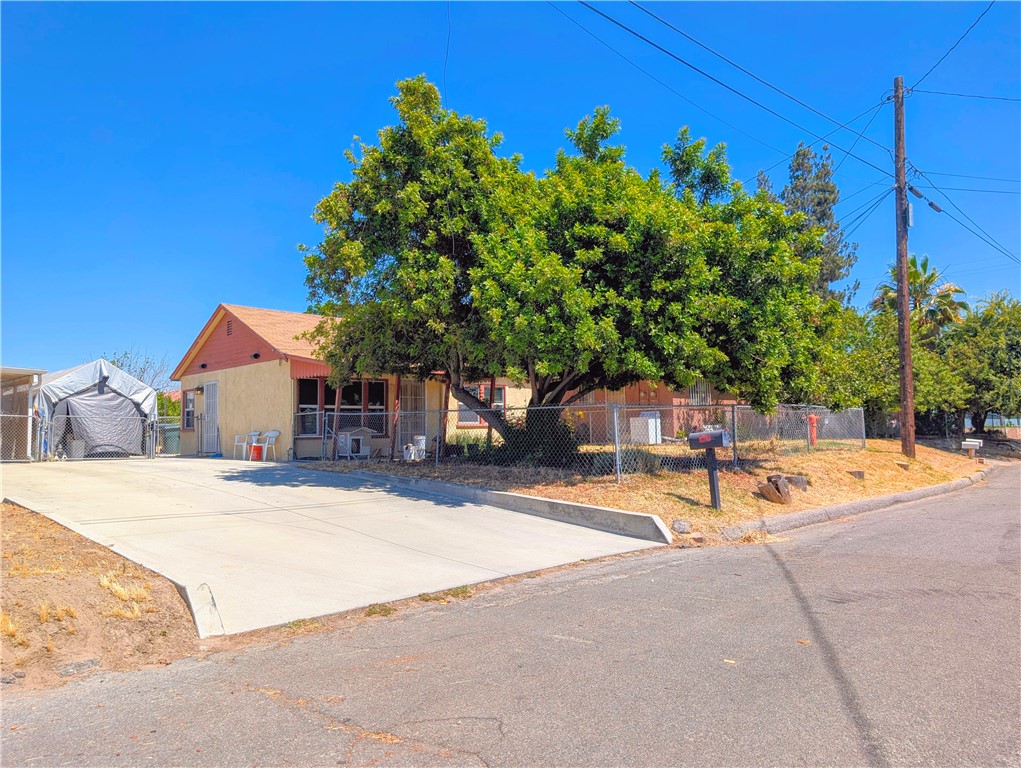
(248, 371)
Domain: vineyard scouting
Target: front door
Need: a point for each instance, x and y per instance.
(211, 418)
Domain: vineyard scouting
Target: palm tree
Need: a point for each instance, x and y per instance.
(932, 301)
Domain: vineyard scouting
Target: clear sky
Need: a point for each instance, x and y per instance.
(158, 159)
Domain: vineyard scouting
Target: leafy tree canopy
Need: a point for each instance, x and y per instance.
(441, 258)
(985, 348)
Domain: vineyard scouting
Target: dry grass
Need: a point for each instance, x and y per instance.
(129, 611)
(379, 609)
(685, 495)
(133, 592)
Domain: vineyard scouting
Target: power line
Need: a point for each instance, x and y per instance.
(851, 226)
(967, 95)
(972, 189)
(952, 47)
(648, 74)
(863, 189)
(788, 158)
(719, 82)
(984, 236)
(752, 75)
(860, 135)
(966, 176)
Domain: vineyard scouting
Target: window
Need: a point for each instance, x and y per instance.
(308, 407)
(188, 410)
(362, 404)
(466, 417)
(698, 393)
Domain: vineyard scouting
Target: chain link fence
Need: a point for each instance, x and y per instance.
(589, 440)
(19, 438)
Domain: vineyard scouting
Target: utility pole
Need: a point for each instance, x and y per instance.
(907, 381)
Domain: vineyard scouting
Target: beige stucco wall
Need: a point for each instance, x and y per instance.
(251, 397)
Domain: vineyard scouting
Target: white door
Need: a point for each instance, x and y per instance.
(211, 420)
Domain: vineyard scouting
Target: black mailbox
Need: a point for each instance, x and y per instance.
(717, 438)
(709, 441)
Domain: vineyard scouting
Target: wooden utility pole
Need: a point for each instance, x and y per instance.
(907, 381)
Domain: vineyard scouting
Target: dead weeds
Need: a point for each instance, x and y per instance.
(685, 495)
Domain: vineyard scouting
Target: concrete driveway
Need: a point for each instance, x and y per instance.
(256, 545)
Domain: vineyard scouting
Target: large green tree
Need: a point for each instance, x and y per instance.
(440, 257)
(985, 349)
(812, 192)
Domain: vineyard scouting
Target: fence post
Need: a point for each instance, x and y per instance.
(439, 432)
(616, 441)
(733, 429)
(861, 411)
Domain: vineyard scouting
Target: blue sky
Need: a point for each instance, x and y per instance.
(158, 159)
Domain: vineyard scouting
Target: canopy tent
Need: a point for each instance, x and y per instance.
(96, 410)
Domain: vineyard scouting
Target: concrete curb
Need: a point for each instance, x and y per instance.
(636, 524)
(782, 523)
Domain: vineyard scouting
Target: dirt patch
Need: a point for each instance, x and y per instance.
(685, 495)
(71, 607)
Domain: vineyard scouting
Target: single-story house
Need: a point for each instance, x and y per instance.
(248, 370)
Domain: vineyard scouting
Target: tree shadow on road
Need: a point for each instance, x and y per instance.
(871, 744)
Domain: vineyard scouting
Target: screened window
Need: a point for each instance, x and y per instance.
(188, 410)
(363, 404)
(308, 407)
(466, 417)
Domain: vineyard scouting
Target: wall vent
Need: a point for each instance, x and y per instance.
(230, 327)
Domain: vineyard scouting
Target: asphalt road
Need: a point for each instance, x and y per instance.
(887, 639)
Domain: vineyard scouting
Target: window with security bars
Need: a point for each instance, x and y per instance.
(699, 393)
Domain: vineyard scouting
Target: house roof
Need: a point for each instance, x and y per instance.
(279, 329)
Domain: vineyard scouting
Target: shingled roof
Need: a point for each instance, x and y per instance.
(278, 329)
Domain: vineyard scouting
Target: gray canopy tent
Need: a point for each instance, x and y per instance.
(97, 410)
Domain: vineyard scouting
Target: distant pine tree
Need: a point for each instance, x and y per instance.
(812, 191)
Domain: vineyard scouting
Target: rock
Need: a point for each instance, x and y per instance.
(681, 526)
(798, 481)
(857, 474)
(904, 465)
(776, 490)
(686, 540)
(6, 679)
(77, 667)
(19, 674)
(769, 491)
(697, 537)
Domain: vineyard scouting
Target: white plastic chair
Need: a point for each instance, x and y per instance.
(241, 441)
(267, 441)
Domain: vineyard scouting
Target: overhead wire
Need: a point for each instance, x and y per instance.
(852, 228)
(966, 95)
(651, 76)
(984, 236)
(722, 84)
(966, 176)
(954, 46)
(752, 75)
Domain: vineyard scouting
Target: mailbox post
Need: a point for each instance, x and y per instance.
(710, 441)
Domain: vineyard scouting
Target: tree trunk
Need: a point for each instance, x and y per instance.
(978, 421)
(492, 417)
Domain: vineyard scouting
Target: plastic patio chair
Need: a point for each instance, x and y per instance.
(268, 441)
(241, 441)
